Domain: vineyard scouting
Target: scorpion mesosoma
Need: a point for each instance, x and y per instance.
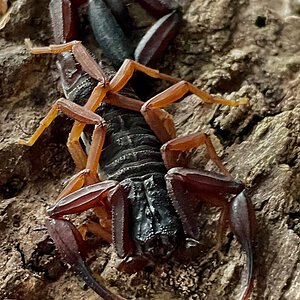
(144, 206)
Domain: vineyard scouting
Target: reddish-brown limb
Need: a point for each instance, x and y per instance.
(157, 38)
(122, 239)
(171, 151)
(120, 222)
(83, 199)
(64, 20)
(123, 101)
(93, 196)
(68, 239)
(158, 8)
(212, 188)
(81, 54)
(70, 244)
(209, 187)
(79, 2)
(243, 225)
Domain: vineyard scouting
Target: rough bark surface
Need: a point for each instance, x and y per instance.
(235, 48)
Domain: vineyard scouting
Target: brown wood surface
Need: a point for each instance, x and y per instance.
(235, 48)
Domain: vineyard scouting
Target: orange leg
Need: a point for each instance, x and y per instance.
(85, 116)
(74, 184)
(93, 69)
(126, 71)
(96, 229)
(159, 118)
(172, 150)
(178, 90)
(88, 64)
(43, 125)
(73, 144)
(82, 116)
(123, 101)
(81, 54)
(150, 109)
(172, 94)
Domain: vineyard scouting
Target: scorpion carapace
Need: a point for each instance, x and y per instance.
(144, 205)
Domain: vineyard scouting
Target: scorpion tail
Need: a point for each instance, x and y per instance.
(71, 246)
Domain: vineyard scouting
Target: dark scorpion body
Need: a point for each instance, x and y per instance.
(131, 153)
(145, 203)
(131, 156)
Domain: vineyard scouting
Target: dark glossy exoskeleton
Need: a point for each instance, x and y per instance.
(146, 203)
(114, 42)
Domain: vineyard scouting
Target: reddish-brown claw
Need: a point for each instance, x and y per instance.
(82, 200)
(158, 8)
(183, 183)
(114, 42)
(243, 225)
(64, 19)
(157, 39)
(71, 246)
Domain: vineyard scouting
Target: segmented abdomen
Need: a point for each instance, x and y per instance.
(131, 149)
(131, 155)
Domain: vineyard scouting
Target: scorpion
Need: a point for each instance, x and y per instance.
(146, 205)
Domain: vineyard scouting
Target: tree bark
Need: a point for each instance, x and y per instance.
(232, 48)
